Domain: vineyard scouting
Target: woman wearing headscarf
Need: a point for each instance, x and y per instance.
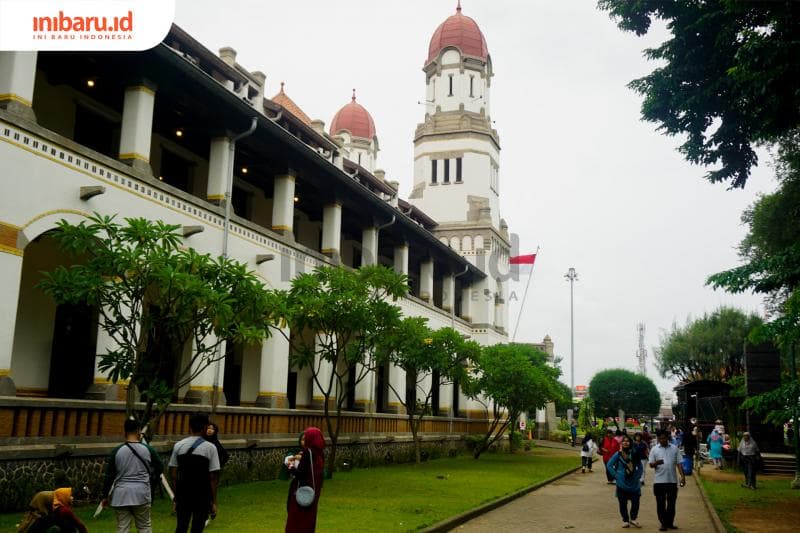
(715, 442)
(63, 517)
(626, 468)
(308, 473)
(588, 449)
(212, 436)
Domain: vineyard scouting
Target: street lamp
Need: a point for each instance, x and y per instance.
(572, 276)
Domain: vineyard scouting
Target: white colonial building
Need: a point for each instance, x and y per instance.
(148, 134)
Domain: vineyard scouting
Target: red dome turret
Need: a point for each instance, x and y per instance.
(459, 31)
(355, 119)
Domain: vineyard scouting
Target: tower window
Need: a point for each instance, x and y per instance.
(458, 170)
(450, 77)
(447, 171)
(359, 159)
(471, 83)
(433, 171)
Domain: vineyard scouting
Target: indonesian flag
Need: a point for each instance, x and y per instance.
(522, 259)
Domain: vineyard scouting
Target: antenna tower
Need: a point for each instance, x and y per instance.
(641, 352)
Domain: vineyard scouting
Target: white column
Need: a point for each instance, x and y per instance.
(17, 78)
(466, 303)
(426, 280)
(397, 377)
(324, 375)
(401, 259)
(365, 391)
(283, 203)
(137, 127)
(369, 246)
(218, 157)
(201, 388)
(11, 274)
(332, 230)
(448, 292)
(445, 399)
(102, 388)
(274, 371)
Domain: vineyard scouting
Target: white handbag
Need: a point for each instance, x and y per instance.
(305, 494)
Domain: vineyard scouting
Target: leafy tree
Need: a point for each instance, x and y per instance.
(711, 347)
(586, 415)
(430, 359)
(564, 399)
(618, 389)
(512, 378)
(728, 80)
(347, 313)
(153, 297)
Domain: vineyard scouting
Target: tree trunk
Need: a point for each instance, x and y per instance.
(414, 435)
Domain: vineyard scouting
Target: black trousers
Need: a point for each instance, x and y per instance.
(586, 462)
(624, 497)
(609, 477)
(195, 512)
(750, 464)
(666, 494)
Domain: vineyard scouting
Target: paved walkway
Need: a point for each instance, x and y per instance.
(585, 502)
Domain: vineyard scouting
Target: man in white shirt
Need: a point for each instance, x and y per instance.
(665, 458)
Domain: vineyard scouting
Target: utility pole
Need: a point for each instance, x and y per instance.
(572, 276)
(641, 353)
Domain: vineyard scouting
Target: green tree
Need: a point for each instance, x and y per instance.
(513, 378)
(430, 359)
(564, 399)
(153, 297)
(586, 415)
(711, 347)
(347, 312)
(728, 78)
(618, 389)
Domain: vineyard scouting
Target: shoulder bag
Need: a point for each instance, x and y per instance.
(305, 494)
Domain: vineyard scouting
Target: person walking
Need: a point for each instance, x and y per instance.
(626, 468)
(689, 450)
(715, 442)
(608, 448)
(665, 458)
(212, 436)
(127, 481)
(642, 450)
(194, 468)
(588, 450)
(749, 458)
(308, 472)
(573, 429)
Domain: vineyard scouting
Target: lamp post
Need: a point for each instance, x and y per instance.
(572, 276)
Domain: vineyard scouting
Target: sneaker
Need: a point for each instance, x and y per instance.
(609, 483)
(634, 523)
(662, 528)
(583, 470)
(626, 525)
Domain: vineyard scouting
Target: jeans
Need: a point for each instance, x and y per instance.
(196, 513)
(586, 462)
(609, 477)
(644, 469)
(749, 465)
(666, 494)
(139, 514)
(623, 497)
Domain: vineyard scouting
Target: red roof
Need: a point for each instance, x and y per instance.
(288, 104)
(355, 119)
(459, 31)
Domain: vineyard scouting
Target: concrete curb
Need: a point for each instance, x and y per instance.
(719, 527)
(451, 523)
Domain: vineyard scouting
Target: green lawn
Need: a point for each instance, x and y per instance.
(394, 498)
(728, 496)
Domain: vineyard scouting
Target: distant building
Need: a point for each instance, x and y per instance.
(580, 392)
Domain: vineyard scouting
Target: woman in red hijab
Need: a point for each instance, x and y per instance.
(63, 517)
(309, 473)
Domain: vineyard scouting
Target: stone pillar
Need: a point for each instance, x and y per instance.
(283, 203)
(218, 160)
(137, 127)
(466, 303)
(274, 371)
(426, 280)
(11, 274)
(401, 259)
(397, 378)
(17, 79)
(332, 231)
(446, 399)
(448, 292)
(369, 246)
(201, 389)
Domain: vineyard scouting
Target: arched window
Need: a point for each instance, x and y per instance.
(466, 243)
(443, 240)
(455, 243)
(478, 242)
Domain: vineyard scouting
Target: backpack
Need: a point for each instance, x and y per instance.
(193, 475)
(585, 447)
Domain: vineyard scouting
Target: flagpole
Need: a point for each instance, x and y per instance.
(524, 295)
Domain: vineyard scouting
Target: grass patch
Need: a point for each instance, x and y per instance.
(737, 505)
(392, 498)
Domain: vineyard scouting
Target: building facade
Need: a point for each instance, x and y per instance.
(148, 134)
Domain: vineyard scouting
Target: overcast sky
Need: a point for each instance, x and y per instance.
(580, 175)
